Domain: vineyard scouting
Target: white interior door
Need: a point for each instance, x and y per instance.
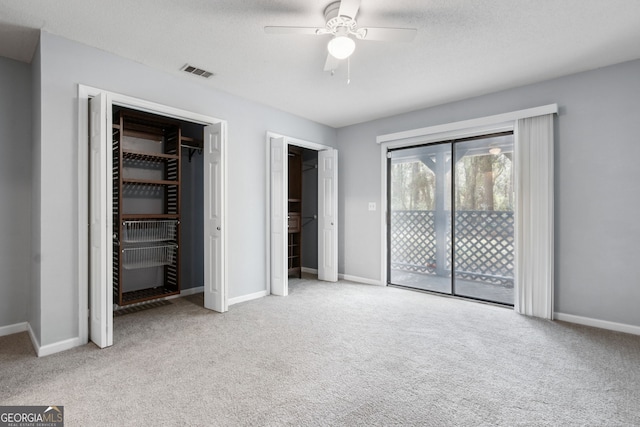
(101, 223)
(328, 215)
(215, 297)
(278, 214)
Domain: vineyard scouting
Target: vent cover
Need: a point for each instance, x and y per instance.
(197, 71)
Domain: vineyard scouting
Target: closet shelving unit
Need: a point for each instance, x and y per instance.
(146, 207)
(295, 212)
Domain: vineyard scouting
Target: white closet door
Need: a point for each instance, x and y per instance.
(214, 274)
(328, 215)
(101, 224)
(279, 220)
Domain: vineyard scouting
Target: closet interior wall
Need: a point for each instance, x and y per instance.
(309, 209)
(192, 204)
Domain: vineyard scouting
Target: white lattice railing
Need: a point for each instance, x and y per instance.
(484, 244)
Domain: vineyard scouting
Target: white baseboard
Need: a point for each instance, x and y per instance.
(247, 297)
(56, 347)
(34, 341)
(597, 323)
(348, 277)
(357, 279)
(59, 346)
(14, 329)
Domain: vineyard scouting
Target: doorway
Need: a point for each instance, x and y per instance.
(278, 238)
(451, 227)
(99, 244)
(302, 215)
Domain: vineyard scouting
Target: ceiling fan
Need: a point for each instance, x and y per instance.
(341, 23)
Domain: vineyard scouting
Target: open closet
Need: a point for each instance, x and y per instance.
(317, 168)
(156, 179)
(302, 215)
(157, 206)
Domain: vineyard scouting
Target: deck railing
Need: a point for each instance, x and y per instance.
(484, 244)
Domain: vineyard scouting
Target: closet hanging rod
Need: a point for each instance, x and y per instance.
(194, 146)
(309, 219)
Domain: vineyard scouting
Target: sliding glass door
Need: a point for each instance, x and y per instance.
(420, 226)
(451, 218)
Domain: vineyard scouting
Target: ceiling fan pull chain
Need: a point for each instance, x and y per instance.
(348, 70)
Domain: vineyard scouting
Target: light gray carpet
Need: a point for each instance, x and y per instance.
(335, 354)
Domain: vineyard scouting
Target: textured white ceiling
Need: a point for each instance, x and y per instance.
(463, 48)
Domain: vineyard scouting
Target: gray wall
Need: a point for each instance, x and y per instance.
(596, 185)
(64, 64)
(15, 190)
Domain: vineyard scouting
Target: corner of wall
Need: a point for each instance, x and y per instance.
(34, 303)
(15, 191)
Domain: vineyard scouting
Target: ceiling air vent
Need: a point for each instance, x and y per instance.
(197, 71)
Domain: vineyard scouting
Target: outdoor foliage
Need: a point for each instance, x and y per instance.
(483, 182)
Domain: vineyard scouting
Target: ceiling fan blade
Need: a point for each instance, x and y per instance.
(349, 8)
(332, 63)
(295, 30)
(387, 34)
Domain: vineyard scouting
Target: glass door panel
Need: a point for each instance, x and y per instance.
(420, 218)
(422, 230)
(483, 219)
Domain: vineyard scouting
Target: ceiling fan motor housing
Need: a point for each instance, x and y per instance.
(335, 21)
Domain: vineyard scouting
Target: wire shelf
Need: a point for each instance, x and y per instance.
(149, 231)
(148, 256)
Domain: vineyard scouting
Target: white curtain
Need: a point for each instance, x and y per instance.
(534, 216)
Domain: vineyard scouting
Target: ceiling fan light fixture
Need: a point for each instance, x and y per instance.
(341, 47)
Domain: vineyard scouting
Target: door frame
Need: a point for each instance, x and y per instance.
(84, 94)
(287, 141)
(384, 184)
(454, 130)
